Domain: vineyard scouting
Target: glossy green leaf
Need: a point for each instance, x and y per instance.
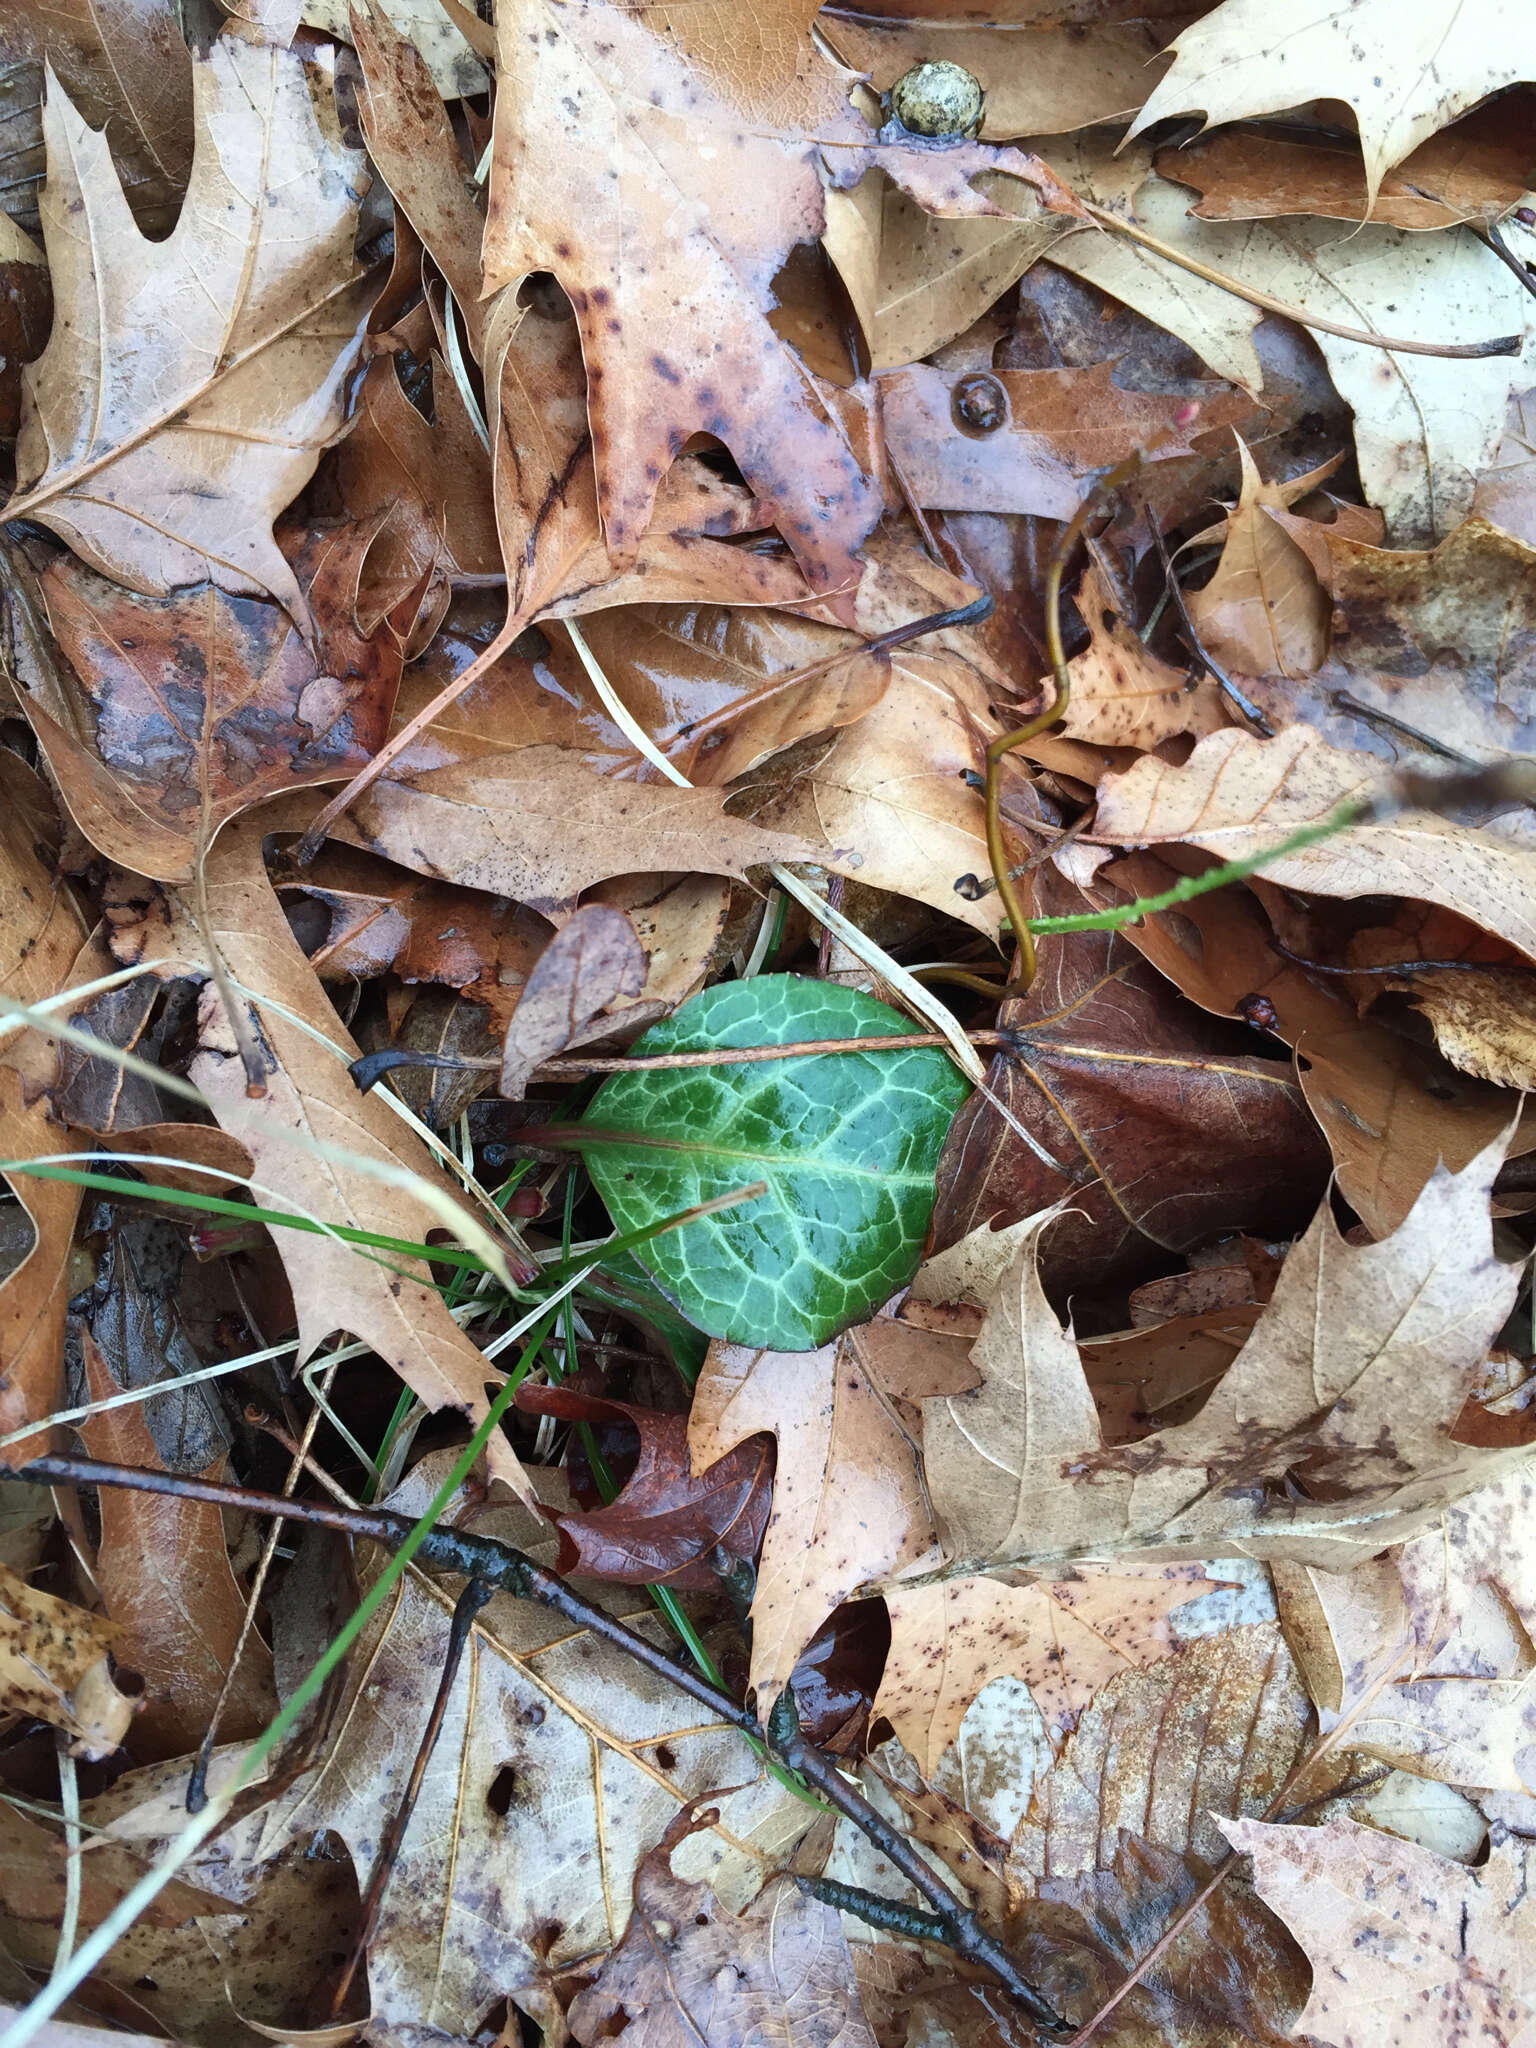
(847, 1143)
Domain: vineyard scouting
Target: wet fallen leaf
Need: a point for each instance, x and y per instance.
(780, 1970)
(166, 465)
(190, 709)
(54, 1667)
(1327, 1438)
(26, 311)
(592, 959)
(1407, 1950)
(848, 1499)
(1162, 1126)
(1264, 611)
(1124, 695)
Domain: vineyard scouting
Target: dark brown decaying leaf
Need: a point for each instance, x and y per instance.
(1162, 1126)
(127, 69)
(592, 959)
(189, 709)
(781, 1970)
(667, 1525)
(164, 1575)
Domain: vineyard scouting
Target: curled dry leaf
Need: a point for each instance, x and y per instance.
(1124, 695)
(487, 1897)
(189, 385)
(667, 1525)
(1329, 1436)
(164, 1574)
(1064, 1639)
(673, 313)
(1404, 76)
(54, 1667)
(849, 1503)
(1237, 794)
(1407, 1949)
(1162, 1127)
(685, 1966)
(41, 931)
(189, 709)
(593, 958)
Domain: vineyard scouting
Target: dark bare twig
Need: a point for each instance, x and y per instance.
(502, 1567)
(467, 1606)
(1488, 232)
(887, 1914)
(1400, 966)
(1343, 701)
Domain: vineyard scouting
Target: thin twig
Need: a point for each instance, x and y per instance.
(1487, 232)
(1505, 345)
(466, 1607)
(466, 1554)
(889, 1915)
(1343, 701)
(1405, 966)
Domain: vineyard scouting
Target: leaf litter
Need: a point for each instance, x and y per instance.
(570, 578)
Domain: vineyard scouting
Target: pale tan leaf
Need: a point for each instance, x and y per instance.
(1064, 1639)
(1405, 71)
(190, 385)
(1484, 1021)
(1350, 1382)
(1263, 611)
(54, 1668)
(848, 1499)
(559, 1765)
(1237, 794)
(1124, 695)
(686, 1967)
(455, 70)
(1407, 1950)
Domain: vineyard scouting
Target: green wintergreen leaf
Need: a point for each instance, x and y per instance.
(847, 1143)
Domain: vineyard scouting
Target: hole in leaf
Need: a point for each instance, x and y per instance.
(503, 1791)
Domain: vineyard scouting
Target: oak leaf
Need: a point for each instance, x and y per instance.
(1405, 75)
(189, 385)
(685, 1968)
(1237, 793)
(1329, 1436)
(1408, 1950)
(848, 1499)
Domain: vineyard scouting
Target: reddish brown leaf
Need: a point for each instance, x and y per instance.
(666, 1525)
(1164, 1128)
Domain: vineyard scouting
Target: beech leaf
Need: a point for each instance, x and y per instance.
(846, 1142)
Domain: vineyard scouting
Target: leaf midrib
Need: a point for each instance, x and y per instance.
(787, 1163)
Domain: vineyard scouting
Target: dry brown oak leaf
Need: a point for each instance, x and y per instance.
(1408, 1949)
(1165, 1129)
(1238, 794)
(1328, 1437)
(189, 385)
(1405, 71)
(314, 1138)
(687, 1969)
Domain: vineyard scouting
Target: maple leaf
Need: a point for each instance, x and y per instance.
(1407, 1949)
(1351, 1383)
(189, 385)
(1405, 74)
